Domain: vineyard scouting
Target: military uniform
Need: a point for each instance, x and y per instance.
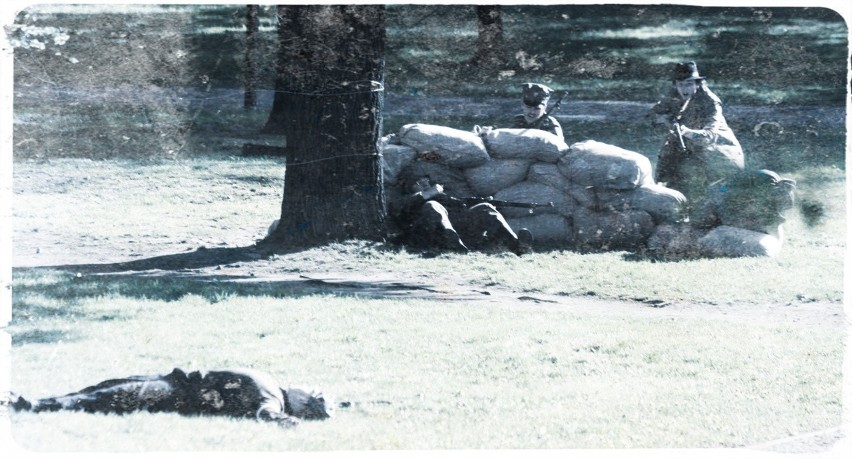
(713, 155)
(545, 123)
(240, 393)
(447, 223)
(537, 95)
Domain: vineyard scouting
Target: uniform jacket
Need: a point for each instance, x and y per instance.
(548, 124)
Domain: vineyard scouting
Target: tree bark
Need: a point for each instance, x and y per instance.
(490, 40)
(328, 104)
(252, 27)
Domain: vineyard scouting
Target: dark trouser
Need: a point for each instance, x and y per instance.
(482, 227)
(136, 393)
(683, 172)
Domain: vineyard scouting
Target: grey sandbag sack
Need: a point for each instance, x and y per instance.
(601, 165)
(532, 144)
(449, 146)
(664, 204)
(546, 228)
(451, 178)
(548, 174)
(728, 241)
(496, 174)
(394, 158)
(529, 192)
(611, 230)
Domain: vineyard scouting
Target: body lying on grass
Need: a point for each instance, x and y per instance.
(239, 393)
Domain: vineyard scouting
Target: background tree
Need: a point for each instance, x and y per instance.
(489, 42)
(252, 27)
(328, 105)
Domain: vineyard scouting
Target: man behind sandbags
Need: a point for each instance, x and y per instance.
(430, 219)
(700, 147)
(535, 98)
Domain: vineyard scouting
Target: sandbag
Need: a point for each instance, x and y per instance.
(547, 174)
(494, 175)
(394, 158)
(664, 204)
(601, 165)
(611, 230)
(532, 144)
(545, 228)
(584, 195)
(535, 192)
(450, 147)
(451, 178)
(727, 241)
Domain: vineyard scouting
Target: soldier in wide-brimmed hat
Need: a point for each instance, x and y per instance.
(700, 148)
(535, 116)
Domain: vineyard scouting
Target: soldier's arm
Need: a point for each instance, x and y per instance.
(557, 128)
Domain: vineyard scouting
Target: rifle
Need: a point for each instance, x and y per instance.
(472, 201)
(680, 143)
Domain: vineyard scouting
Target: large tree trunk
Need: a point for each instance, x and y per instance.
(328, 104)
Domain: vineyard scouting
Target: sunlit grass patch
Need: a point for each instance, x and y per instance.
(455, 375)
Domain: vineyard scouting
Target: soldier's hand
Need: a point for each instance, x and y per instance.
(433, 191)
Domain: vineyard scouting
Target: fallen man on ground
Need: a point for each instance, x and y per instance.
(239, 393)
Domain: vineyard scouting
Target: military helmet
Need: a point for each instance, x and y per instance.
(535, 94)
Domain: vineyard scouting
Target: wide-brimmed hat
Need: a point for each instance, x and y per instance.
(684, 71)
(535, 94)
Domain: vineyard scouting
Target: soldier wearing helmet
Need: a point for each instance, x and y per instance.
(535, 116)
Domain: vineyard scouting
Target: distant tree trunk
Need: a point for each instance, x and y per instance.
(328, 104)
(252, 27)
(490, 39)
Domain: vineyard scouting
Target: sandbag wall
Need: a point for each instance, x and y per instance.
(603, 196)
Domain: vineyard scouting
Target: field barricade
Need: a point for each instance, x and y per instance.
(604, 197)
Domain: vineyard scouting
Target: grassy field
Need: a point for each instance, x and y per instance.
(127, 130)
(420, 373)
(429, 375)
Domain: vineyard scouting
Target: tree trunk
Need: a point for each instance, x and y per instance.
(490, 39)
(328, 104)
(252, 27)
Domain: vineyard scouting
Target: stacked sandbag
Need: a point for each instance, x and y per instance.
(530, 144)
(619, 202)
(450, 147)
(394, 157)
(602, 196)
(685, 241)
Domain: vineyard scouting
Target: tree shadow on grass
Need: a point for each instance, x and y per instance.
(200, 258)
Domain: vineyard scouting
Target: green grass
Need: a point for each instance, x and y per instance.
(420, 374)
(430, 375)
(217, 204)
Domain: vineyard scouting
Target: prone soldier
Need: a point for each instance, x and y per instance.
(430, 219)
(239, 393)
